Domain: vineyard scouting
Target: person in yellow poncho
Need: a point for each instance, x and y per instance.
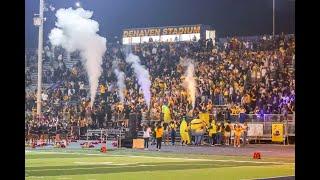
(166, 113)
(185, 139)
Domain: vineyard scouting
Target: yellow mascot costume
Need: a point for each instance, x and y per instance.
(184, 132)
(198, 128)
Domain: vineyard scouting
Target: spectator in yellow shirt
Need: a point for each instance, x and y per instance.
(102, 90)
(212, 132)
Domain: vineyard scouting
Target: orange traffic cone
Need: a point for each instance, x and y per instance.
(103, 148)
(256, 155)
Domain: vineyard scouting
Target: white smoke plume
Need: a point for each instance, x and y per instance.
(75, 31)
(142, 75)
(189, 82)
(120, 83)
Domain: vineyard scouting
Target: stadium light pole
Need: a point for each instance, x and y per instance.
(38, 21)
(78, 4)
(273, 17)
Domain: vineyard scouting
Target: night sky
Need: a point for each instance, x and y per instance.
(227, 17)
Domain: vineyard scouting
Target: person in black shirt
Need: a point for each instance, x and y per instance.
(109, 112)
(100, 117)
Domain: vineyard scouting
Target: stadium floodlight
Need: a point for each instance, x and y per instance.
(273, 18)
(78, 4)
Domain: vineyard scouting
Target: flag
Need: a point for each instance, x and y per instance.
(55, 85)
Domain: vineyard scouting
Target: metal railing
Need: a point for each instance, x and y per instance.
(266, 120)
(263, 118)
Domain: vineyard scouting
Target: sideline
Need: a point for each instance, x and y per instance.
(157, 157)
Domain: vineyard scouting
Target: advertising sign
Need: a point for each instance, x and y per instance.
(112, 144)
(277, 132)
(255, 129)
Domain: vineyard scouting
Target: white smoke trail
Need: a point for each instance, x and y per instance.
(142, 75)
(120, 83)
(75, 31)
(189, 82)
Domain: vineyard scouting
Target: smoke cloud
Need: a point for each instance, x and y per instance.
(189, 82)
(142, 75)
(120, 83)
(75, 31)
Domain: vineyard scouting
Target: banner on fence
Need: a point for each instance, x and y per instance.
(277, 132)
(205, 117)
(112, 144)
(255, 129)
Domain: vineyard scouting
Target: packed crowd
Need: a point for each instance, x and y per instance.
(247, 76)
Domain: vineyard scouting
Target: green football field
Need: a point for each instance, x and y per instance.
(138, 165)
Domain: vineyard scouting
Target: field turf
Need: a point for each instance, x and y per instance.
(139, 165)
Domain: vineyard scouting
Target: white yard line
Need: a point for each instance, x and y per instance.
(37, 177)
(269, 177)
(86, 168)
(190, 159)
(105, 163)
(88, 163)
(183, 159)
(132, 165)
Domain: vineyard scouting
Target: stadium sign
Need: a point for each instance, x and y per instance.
(167, 34)
(161, 31)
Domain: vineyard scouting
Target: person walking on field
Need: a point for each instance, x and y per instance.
(159, 134)
(245, 133)
(227, 134)
(166, 133)
(146, 136)
(153, 137)
(218, 135)
(173, 128)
